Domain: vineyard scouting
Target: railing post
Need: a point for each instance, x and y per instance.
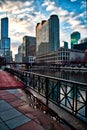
(75, 99)
(28, 79)
(86, 106)
(33, 81)
(25, 78)
(66, 95)
(58, 92)
(39, 84)
(46, 89)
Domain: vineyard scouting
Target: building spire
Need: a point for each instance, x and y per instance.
(6, 13)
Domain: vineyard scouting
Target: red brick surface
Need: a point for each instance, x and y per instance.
(17, 98)
(7, 81)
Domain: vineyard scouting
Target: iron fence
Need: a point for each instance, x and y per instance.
(70, 95)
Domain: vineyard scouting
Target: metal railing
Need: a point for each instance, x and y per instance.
(69, 95)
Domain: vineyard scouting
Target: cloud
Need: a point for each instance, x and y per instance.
(2, 2)
(69, 22)
(83, 4)
(19, 19)
(25, 14)
(46, 3)
(51, 6)
(73, 0)
(74, 22)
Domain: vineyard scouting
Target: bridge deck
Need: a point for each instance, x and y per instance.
(75, 122)
(15, 112)
(9, 82)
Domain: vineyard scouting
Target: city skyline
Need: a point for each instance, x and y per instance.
(24, 15)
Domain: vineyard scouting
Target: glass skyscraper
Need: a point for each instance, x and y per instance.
(4, 27)
(47, 35)
(75, 36)
(5, 40)
(54, 32)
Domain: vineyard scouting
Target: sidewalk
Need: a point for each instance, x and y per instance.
(16, 114)
(7, 81)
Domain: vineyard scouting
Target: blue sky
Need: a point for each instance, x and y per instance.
(25, 14)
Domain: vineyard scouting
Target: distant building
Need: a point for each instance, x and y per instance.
(29, 47)
(65, 44)
(86, 56)
(19, 56)
(82, 44)
(5, 41)
(4, 27)
(62, 56)
(31, 59)
(75, 36)
(47, 35)
(44, 48)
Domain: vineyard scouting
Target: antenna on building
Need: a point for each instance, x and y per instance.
(6, 13)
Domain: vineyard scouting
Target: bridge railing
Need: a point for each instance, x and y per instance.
(69, 95)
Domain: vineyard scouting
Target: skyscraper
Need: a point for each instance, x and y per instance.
(75, 36)
(29, 47)
(4, 28)
(65, 44)
(82, 44)
(5, 40)
(54, 32)
(47, 35)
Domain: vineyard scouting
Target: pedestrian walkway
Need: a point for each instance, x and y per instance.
(7, 81)
(15, 112)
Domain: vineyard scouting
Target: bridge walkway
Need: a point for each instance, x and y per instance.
(15, 111)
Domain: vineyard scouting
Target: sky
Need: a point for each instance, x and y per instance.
(25, 14)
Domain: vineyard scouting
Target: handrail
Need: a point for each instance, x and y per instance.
(69, 95)
(51, 77)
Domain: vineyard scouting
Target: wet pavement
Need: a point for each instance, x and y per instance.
(16, 114)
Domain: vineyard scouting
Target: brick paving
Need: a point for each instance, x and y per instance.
(7, 81)
(17, 114)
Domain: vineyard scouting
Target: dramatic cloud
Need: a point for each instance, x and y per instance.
(25, 14)
(84, 4)
(73, 0)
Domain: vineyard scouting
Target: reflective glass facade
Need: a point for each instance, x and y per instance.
(5, 40)
(4, 28)
(47, 35)
(82, 44)
(75, 36)
(29, 47)
(54, 32)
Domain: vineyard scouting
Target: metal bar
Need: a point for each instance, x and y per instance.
(86, 106)
(58, 88)
(75, 94)
(36, 82)
(46, 89)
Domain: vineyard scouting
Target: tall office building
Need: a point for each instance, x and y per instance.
(5, 40)
(82, 44)
(19, 56)
(65, 44)
(75, 36)
(29, 47)
(47, 35)
(4, 27)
